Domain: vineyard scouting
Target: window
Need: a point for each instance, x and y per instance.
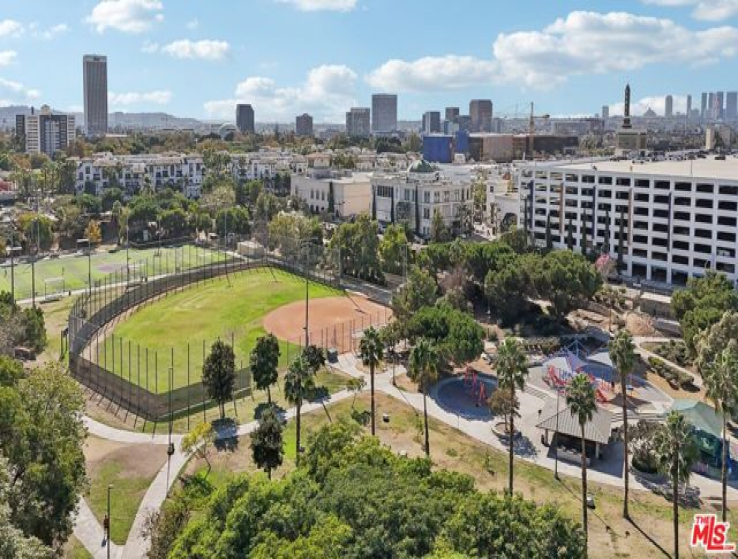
(605, 180)
(426, 197)
(312, 193)
(436, 197)
(426, 213)
(622, 181)
(706, 188)
(384, 191)
(407, 194)
(446, 196)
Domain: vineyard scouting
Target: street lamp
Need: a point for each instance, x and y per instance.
(305, 244)
(86, 242)
(556, 446)
(107, 518)
(13, 250)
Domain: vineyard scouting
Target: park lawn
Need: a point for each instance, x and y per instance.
(456, 451)
(74, 549)
(74, 268)
(227, 308)
(243, 410)
(130, 469)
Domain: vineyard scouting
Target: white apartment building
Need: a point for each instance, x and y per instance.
(352, 192)
(678, 218)
(415, 195)
(45, 131)
(179, 172)
(265, 165)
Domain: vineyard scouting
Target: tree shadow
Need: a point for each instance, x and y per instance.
(227, 430)
(650, 539)
(264, 406)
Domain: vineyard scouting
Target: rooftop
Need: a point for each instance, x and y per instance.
(709, 168)
(598, 430)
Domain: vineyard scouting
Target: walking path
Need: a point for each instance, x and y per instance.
(528, 447)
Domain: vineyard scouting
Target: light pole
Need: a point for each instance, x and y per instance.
(128, 266)
(107, 539)
(306, 245)
(86, 242)
(556, 447)
(12, 250)
(170, 446)
(33, 261)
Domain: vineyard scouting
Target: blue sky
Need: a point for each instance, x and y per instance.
(199, 57)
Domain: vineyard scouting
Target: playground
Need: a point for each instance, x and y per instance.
(466, 395)
(56, 276)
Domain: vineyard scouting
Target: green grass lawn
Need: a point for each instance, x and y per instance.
(204, 312)
(75, 550)
(74, 269)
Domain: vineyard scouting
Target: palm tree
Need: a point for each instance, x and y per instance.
(721, 383)
(676, 451)
(622, 354)
(298, 385)
(371, 353)
(423, 370)
(512, 370)
(580, 397)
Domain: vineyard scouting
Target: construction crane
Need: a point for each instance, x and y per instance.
(532, 127)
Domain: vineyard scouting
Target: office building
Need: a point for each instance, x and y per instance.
(95, 78)
(384, 113)
(438, 148)
(719, 104)
(45, 132)
(358, 122)
(689, 106)
(431, 122)
(731, 105)
(669, 106)
(677, 220)
(480, 112)
(245, 119)
(452, 114)
(703, 106)
(605, 112)
(304, 125)
(710, 106)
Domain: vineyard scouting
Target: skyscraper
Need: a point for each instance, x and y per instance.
(719, 104)
(245, 119)
(710, 106)
(703, 106)
(384, 113)
(95, 76)
(452, 114)
(669, 106)
(689, 106)
(304, 125)
(432, 122)
(480, 112)
(358, 122)
(731, 105)
(605, 112)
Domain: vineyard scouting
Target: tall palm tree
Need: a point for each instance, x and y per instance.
(298, 385)
(423, 370)
(622, 355)
(580, 397)
(676, 451)
(721, 383)
(371, 349)
(512, 370)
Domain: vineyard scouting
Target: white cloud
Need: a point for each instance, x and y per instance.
(149, 47)
(432, 73)
(706, 10)
(10, 28)
(658, 104)
(161, 97)
(128, 16)
(7, 57)
(582, 43)
(205, 50)
(322, 5)
(327, 93)
(53, 31)
(19, 90)
(193, 24)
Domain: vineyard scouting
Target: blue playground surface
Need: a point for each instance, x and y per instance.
(466, 395)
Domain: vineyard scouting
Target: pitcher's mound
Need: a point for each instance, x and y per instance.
(333, 320)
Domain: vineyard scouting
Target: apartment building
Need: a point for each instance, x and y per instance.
(132, 173)
(665, 221)
(350, 192)
(358, 122)
(45, 131)
(414, 196)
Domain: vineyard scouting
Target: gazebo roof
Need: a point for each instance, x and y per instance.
(598, 430)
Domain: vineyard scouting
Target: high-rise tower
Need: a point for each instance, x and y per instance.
(95, 76)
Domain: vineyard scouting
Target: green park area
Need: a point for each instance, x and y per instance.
(71, 272)
(228, 308)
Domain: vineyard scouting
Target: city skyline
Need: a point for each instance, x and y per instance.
(539, 52)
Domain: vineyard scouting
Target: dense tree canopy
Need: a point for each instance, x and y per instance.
(455, 332)
(354, 498)
(358, 244)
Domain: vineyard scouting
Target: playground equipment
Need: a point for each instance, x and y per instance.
(476, 387)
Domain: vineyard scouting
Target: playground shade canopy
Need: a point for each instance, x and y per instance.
(598, 430)
(700, 416)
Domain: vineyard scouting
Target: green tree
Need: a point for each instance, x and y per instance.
(623, 357)
(711, 342)
(219, 374)
(456, 334)
(267, 446)
(199, 442)
(92, 232)
(702, 304)
(420, 290)
(299, 383)
(677, 452)
(507, 287)
(512, 370)
(439, 233)
(423, 371)
(565, 279)
(358, 243)
(263, 363)
(580, 397)
(393, 249)
(721, 382)
(371, 351)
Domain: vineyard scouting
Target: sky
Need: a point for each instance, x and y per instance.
(198, 58)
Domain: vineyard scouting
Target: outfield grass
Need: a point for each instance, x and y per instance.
(74, 268)
(225, 308)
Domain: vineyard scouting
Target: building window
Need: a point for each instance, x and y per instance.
(384, 191)
(426, 213)
(426, 197)
(436, 197)
(446, 196)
